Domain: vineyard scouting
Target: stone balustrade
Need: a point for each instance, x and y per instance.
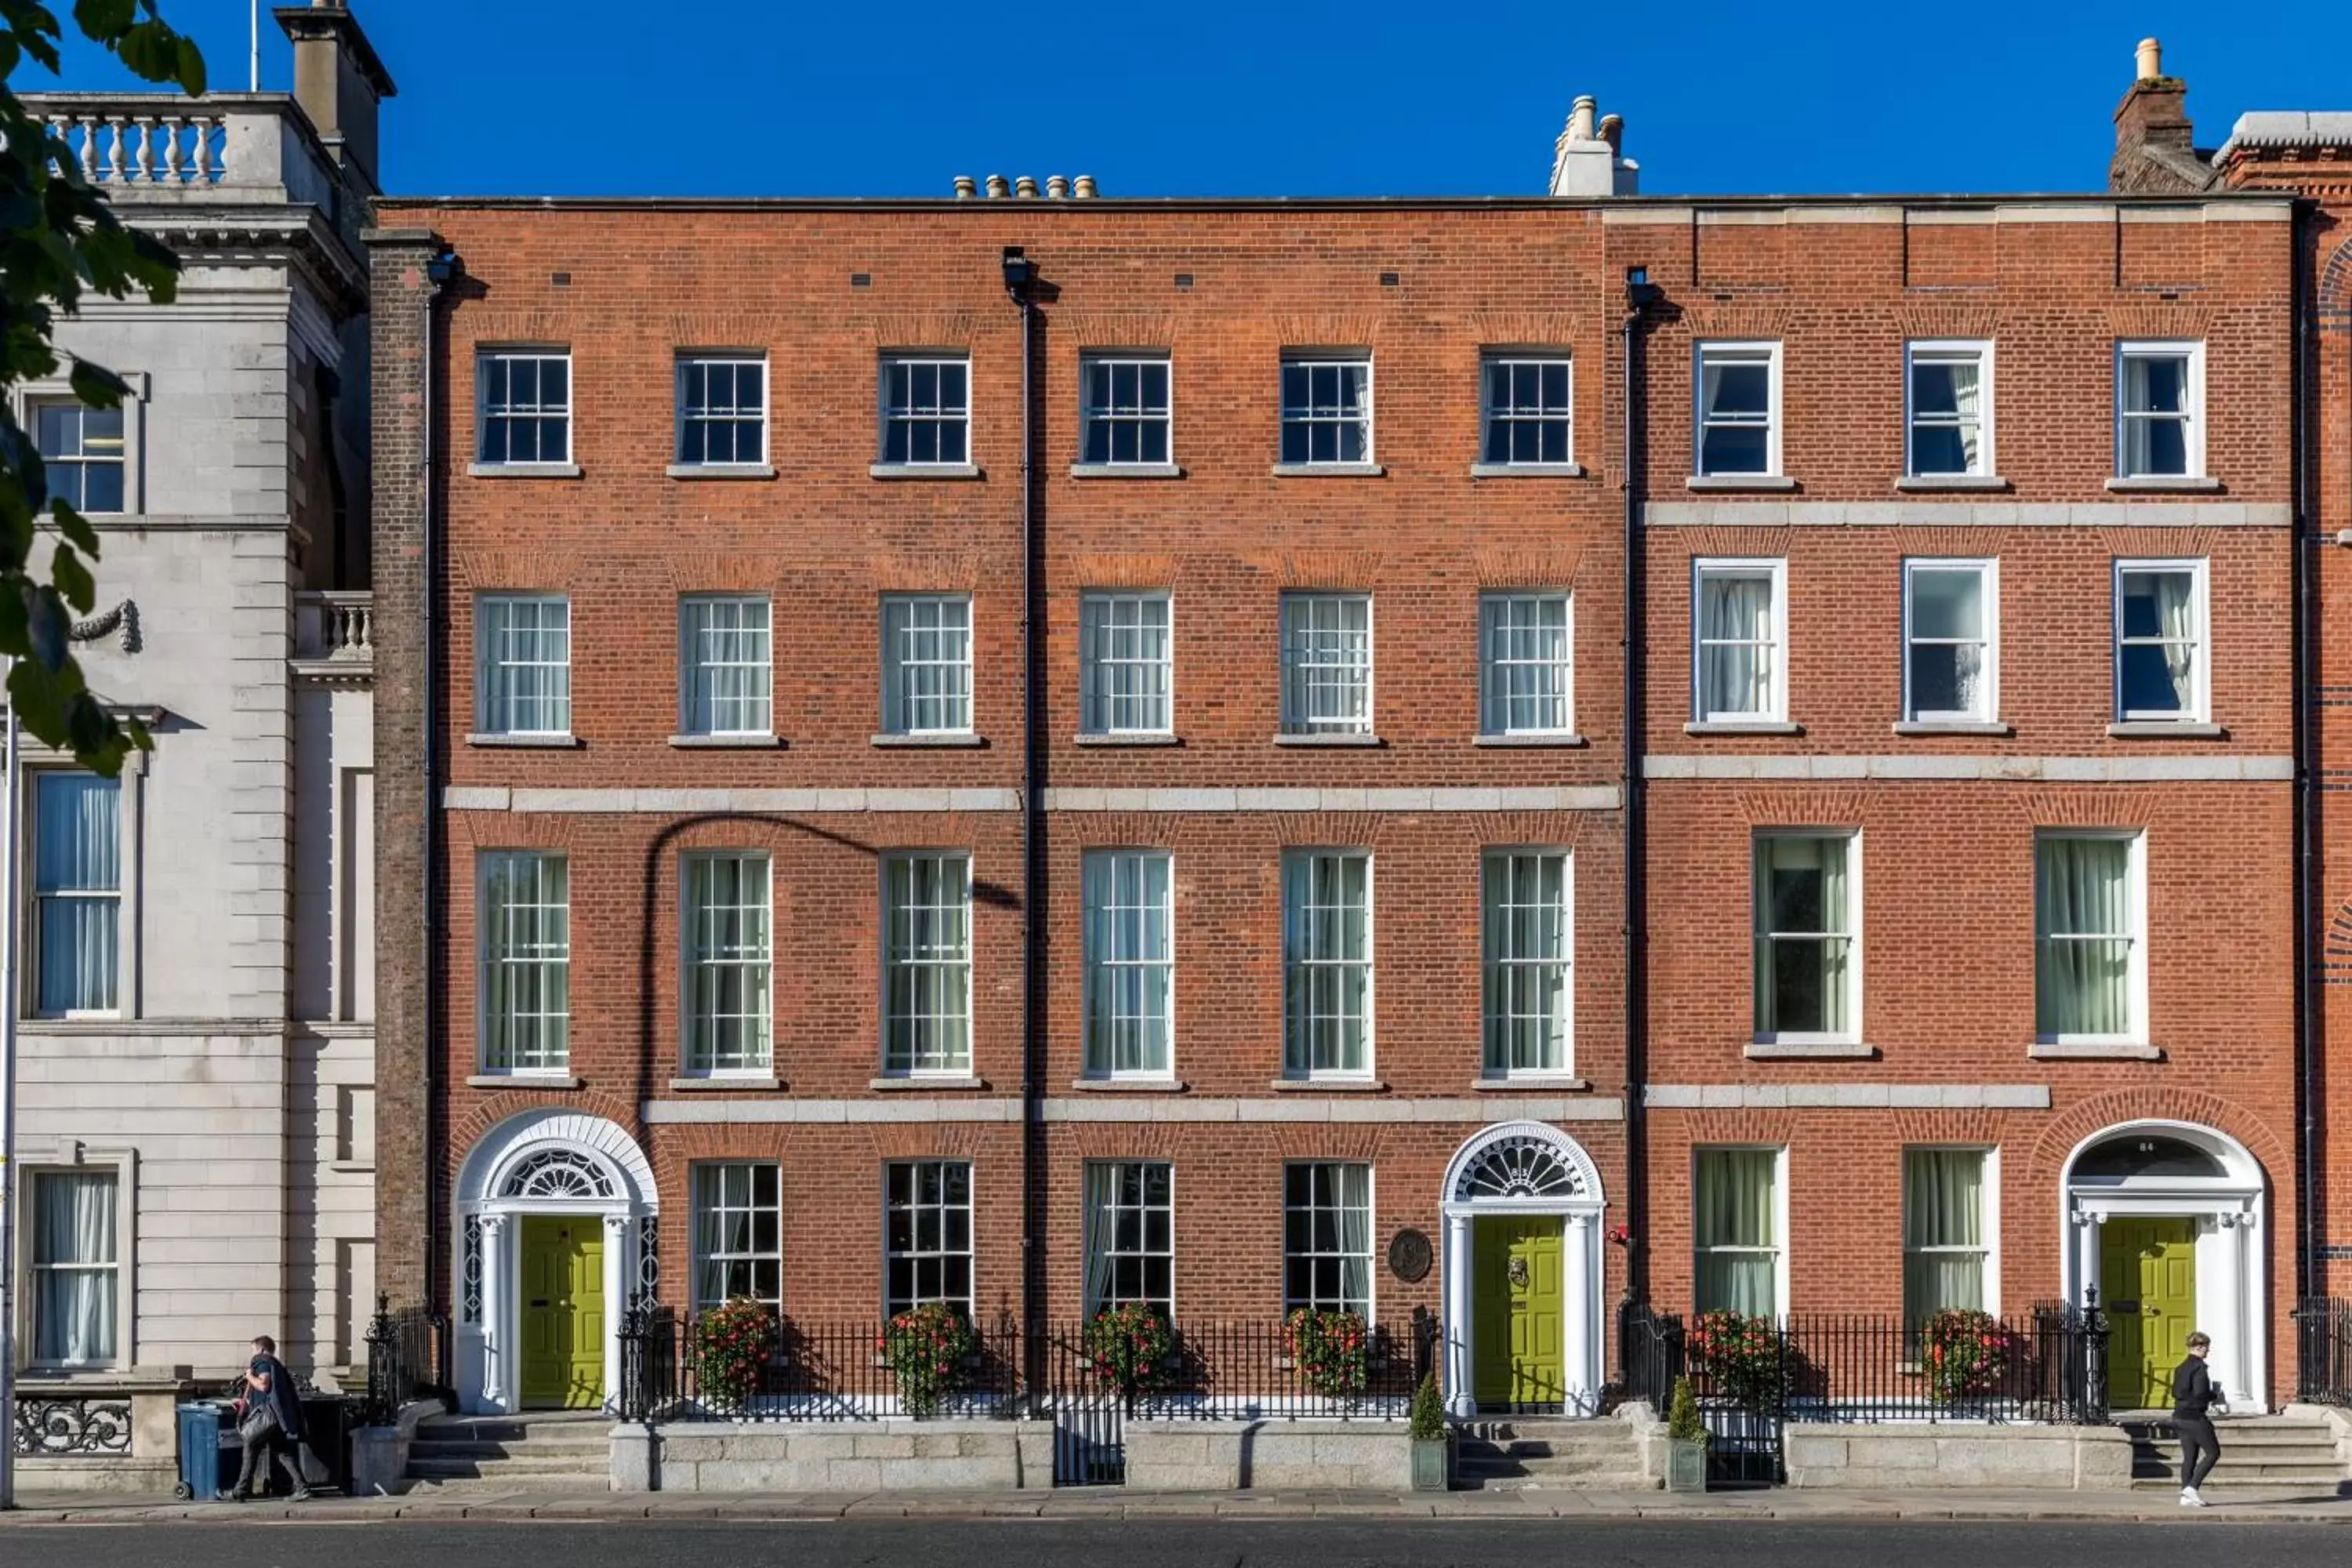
(335, 626)
(165, 148)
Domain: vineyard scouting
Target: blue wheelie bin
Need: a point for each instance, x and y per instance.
(210, 1450)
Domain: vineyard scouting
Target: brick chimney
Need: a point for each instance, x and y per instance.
(2156, 145)
(338, 82)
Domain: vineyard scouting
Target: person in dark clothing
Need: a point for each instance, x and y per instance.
(272, 1423)
(2194, 1395)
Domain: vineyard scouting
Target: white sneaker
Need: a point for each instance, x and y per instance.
(2189, 1498)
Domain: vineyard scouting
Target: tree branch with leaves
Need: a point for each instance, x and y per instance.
(60, 240)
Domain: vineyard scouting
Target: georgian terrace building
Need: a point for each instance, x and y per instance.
(1064, 752)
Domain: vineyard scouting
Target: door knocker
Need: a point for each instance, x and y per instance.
(1518, 1273)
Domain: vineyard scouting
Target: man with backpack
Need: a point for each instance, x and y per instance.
(269, 1420)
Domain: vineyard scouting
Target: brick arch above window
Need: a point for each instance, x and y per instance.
(2336, 287)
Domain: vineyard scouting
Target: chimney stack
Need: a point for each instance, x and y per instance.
(1084, 190)
(2151, 59)
(338, 82)
(1025, 187)
(2155, 111)
(965, 189)
(1589, 159)
(997, 189)
(1057, 189)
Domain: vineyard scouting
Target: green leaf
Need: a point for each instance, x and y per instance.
(98, 386)
(151, 49)
(73, 580)
(191, 69)
(75, 527)
(102, 19)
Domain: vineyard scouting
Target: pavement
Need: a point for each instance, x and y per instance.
(2246, 1505)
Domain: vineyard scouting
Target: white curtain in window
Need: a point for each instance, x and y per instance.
(1736, 652)
(1967, 403)
(2083, 912)
(78, 883)
(1351, 1191)
(1736, 1217)
(1943, 1231)
(727, 642)
(74, 1308)
(1102, 1197)
(2176, 612)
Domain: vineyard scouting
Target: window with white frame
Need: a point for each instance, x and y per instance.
(1808, 924)
(1130, 962)
(76, 1267)
(723, 641)
(1326, 963)
(1126, 664)
(1125, 412)
(1326, 664)
(523, 664)
(730, 963)
(1131, 1236)
(2160, 652)
(77, 893)
(927, 964)
(1947, 1232)
(1951, 653)
(1326, 409)
(525, 406)
(927, 1235)
(1738, 409)
(2160, 410)
(1326, 1236)
(1527, 674)
(927, 664)
(1529, 413)
(925, 410)
(2089, 917)
(737, 1235)
(1738, 646)
(1950, 409)
(1735, 1230)
(526, 953)
(82, 453)
(1528, 949)
(722, 410)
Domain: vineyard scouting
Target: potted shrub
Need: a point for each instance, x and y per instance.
(1427, 1428)
(732, 1346)
(1686, 1442)
(1331, 1351)
(1130, 1348)
(929, 1349)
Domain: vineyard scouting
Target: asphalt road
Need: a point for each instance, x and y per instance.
(1174, 1543)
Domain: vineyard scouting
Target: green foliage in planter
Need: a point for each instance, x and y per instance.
(1426, 1424)
(1741, 1356)
(1683, 1424)
(1963, 1352)
(1333, 1351)
(929, 1348)
(732, 1345)
(1130, 1347)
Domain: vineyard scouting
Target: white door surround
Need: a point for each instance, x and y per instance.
(540, 1162)
(2230, 1206)
(1525, 1168)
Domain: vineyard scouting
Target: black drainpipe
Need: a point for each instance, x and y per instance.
(2310, 1230)
(1020, 276)
(437, 273)
(1639, 295)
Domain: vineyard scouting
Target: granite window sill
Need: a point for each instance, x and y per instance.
(952, 740)
(1526, 471)
(1735, 483)
(1329, 1086)
(1148, 738)
(927, 1083)
(1127, 471)
(1328, 470)
(2166, 729)
(727, 742)
(1928, 484)
(2092, 1051)
(525, 1080)
(721, 470)
(1951, 727)
(1743, 727)
(716, 1083)
(523, 470)
(1508, 742)
(1529, 1083)
(1809, 1050)
(1330, 737)
(1128, 1086)
(925, 471)
(2163, 484)
(526, 743)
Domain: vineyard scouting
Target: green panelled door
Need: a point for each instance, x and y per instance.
(562, 1312)
(1521, 1313)
(2147, 1283)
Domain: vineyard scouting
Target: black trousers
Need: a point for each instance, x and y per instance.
(2200, 1449)
(264, 1455)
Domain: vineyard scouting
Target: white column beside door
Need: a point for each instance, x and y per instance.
(496, 1330)
(1580, 1289)
(617, 1252)
(1459, 1399)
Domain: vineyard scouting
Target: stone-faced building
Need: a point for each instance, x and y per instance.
(197, 1077)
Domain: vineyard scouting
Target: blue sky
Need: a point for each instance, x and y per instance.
(1374, 97)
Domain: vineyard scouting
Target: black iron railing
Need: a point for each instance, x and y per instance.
(2323, 1351)
(1250, 1371)
(403, 1361)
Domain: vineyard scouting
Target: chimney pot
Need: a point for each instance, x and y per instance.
(2151, 58)
(1084, 188)
(1612, 131)
(997, 189)
(1057, 188)
(1025, 187)
(1579, 118)
(964, 188)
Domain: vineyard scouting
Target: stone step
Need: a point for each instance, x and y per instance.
(530, 1448)
(1597, 1482)
(461, 1486)
(2216, 1484)
(435, 1468)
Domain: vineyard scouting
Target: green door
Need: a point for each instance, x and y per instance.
(1521, 1310)
(2147, 1281)
(563, 1313)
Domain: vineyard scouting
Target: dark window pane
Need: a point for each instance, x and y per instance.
(554, 382)
(1739, 450)
(1296, 443)
(1935, 678)
(2147, 681)
(1932, 391)
(1155, 442)
(951, 442)
(1555, 388)
(2140, 617)
(1555, 441)
(1797, 898)
(1294, 387)
(1740, 388)
(102, 488)
(1939, 449)
(1797, 987)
